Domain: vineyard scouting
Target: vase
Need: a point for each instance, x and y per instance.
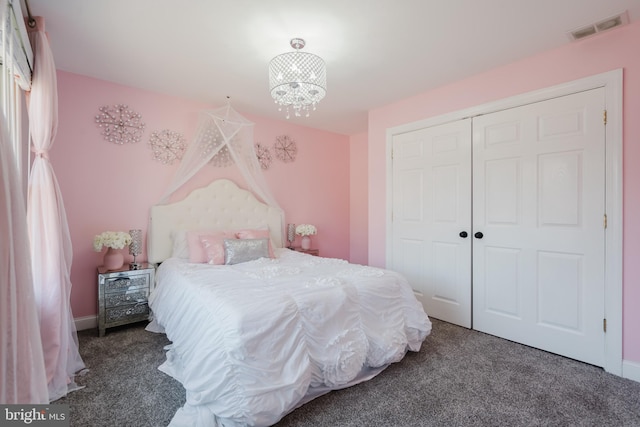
(305, 242)
(113, 259)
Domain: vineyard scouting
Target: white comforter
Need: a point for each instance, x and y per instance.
(251, 342)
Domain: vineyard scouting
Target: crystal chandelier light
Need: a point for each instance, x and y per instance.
(297, 80)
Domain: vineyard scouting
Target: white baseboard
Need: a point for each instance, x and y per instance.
(87, 322)
(631, 370)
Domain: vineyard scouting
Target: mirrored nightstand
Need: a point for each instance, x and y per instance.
(123, 295)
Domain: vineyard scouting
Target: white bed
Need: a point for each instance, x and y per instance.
(254, 340)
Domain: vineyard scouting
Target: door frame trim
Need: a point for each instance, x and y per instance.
(612, 82)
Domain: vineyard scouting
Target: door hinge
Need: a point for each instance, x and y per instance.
(605, 221)
(604, 325)
(604, 117)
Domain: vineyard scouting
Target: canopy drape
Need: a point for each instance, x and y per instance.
(51, 252)
(224, 132)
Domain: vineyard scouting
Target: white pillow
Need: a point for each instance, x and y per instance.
(180, 244)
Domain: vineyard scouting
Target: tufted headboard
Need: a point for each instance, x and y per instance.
(222, 205)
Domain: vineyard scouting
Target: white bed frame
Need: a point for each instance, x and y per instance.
(222, 205)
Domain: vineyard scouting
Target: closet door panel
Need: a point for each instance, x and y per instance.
(502, 191)
(431, 207)
(560, 189)
(538, 199)
(501, 267)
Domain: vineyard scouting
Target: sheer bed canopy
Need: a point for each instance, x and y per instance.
(224, 134)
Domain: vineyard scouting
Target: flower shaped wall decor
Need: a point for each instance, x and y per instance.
(264, 156)
(167, 146)
(119, 124)
(285, 148)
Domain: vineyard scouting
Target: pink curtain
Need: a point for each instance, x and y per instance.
(51, 252)
(22, 378)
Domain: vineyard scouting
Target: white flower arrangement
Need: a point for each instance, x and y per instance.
(305, 230)
(111, 239)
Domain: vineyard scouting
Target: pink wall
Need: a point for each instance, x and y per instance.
(106, 186)
(616, 49)
(359, 195)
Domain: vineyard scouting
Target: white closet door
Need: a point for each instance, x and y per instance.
(538, 200)
(431, 207)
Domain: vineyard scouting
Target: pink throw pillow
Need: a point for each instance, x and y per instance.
(196, 251)
(213, 246)
(256, 234)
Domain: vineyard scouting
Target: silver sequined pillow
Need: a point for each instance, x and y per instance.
(243, 250)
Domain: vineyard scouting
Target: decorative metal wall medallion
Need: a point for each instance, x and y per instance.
(167, 146)
(264, 155)
(119, 124)
(285, 148)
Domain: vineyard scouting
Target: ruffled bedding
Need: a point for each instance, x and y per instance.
(252, 341)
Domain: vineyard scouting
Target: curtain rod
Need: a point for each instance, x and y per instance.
(31, 21)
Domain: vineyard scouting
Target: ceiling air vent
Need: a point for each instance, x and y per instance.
(600, 26)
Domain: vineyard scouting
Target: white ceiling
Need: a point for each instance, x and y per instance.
(377, 51)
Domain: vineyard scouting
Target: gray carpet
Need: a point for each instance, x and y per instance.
(459, 378)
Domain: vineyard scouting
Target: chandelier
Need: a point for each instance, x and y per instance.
(297, 80)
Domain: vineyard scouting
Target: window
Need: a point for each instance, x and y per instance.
(15, 77)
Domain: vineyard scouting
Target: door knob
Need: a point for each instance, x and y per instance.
(479, 235)
(463, 234)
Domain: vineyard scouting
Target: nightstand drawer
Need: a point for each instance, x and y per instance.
(131, 297)
(126, 283)
(127, 313)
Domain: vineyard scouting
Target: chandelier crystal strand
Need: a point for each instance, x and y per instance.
(297, 80)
